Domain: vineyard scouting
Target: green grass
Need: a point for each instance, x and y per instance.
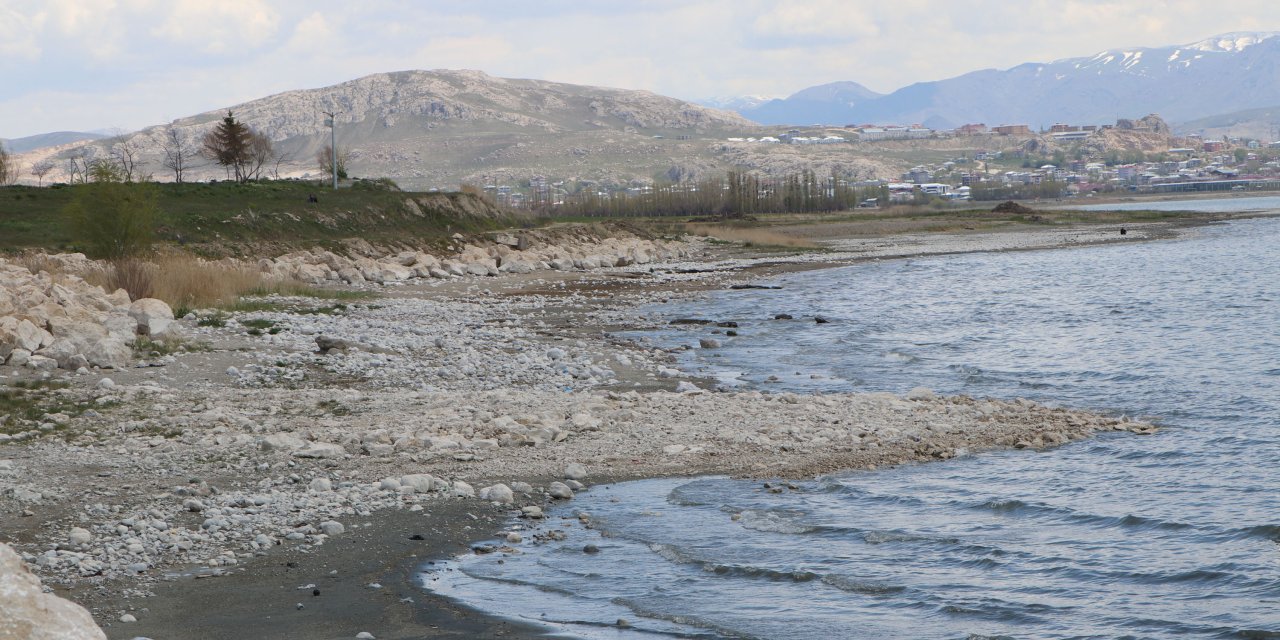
(26, 403)
(225, 218)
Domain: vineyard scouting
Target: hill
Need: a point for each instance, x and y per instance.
(43, 140)
(1261, 124)
(1221, 74)
(826, 103)
(439, 128)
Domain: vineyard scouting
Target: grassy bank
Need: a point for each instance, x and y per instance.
(226, 218)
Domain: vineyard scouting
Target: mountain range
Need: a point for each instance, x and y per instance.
(1226, 73)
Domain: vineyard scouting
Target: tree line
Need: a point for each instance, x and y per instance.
(736, 194)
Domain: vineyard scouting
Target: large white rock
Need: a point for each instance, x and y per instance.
(421, 482)
(321, 450)
(27, 613)
(153, 316)
(108, 354)
(498, 493)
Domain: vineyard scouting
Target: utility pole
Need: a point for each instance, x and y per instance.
(333, 146)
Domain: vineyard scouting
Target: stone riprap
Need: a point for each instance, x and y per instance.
(62, 322)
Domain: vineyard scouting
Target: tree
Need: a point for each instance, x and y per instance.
(124, 154)
(8, 167)
(324, 158)
(238, 147)
(41, 169)
(112, 219)
(105, 170)
(179, 152)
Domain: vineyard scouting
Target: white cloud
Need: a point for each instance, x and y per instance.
(127, 56)
(18, 36)
(221, 26)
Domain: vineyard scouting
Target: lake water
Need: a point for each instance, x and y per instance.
(1122, 536)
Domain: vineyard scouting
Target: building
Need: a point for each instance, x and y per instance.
(971, 129)
(1012, 130)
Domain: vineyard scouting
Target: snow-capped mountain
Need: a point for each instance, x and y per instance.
(1221, 74)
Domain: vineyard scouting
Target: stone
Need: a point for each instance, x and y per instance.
(521, 487)
(674, 449)
(320, 450)
(332, 528)
(921, 393)
(153, 316)
(709, 343)
(19, 357)
(79, 536)
(41, 363)
(281, 442)
(575, 471)
(108, 353)
(500, 493)
(514, 538)
(364, 635)
(321, 485)
(127, 618)
(106, 384)
(28, 613)
(463, 490)
(687, 387)
(559, 490)
(420, 482)
(531, 511)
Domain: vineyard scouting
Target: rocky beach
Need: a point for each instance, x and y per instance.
(280, 472)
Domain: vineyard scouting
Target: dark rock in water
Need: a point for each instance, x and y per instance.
(1009, 206)
(690, 321)
(482, 549)
(417, 536)
(731, 333)
(315, 592)
(591, 548)
(782, 316)
(728, 325)
(820, 320)
(755, 286)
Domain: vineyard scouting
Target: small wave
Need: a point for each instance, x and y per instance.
(844, 583)
(898, 356)
(1265, 531)
(1002, 506)
(678, 556)
(881, 537)
(773, 521)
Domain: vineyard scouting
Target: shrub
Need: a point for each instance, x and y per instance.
(113, 220)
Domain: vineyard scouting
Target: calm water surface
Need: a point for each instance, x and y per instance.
(1121, 536)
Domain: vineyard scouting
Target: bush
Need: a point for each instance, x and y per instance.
(114, 220)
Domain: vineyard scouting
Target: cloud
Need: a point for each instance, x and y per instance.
(141, 62)
(18, 36)
(220, 26)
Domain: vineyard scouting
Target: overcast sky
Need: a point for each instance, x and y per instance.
(97, 64)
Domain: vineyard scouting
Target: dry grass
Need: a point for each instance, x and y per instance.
(182, 280)
(750, 236)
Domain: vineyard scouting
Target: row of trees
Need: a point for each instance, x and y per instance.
(245, 153)
(737, 194)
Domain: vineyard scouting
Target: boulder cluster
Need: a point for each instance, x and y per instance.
(509, 253)
(62, 322)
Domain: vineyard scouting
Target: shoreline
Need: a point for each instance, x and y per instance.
(259, 596)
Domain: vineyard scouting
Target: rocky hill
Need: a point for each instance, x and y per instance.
(439, 128)
(1217, 75)
(1261, 124)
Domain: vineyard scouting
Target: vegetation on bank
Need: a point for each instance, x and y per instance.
(229, 218)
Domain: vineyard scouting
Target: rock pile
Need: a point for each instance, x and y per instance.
(49, 322)
(509, 253)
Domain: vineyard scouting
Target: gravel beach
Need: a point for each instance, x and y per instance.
(264, 485)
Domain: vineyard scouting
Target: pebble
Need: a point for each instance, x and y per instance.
(128, 617)
(364, 635)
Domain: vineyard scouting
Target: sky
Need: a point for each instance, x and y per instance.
(125, 64)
